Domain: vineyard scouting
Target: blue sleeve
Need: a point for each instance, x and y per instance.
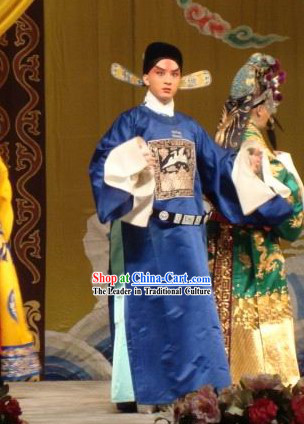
(215, 167)
(111, 203)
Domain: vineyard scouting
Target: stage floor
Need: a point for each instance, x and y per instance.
(71, 402)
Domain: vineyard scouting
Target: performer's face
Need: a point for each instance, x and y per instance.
(262, 116)
(163, 80)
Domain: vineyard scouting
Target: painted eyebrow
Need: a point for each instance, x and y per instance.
(163, 69)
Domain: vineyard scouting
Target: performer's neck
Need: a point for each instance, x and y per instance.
(157, 106)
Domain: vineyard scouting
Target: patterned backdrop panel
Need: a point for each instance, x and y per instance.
(22, 145)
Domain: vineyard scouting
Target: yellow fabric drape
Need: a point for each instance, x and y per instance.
(10, 11)
(18, 359)
(6, 210)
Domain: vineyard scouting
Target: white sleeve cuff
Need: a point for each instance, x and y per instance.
(253, 191)
(126, 169)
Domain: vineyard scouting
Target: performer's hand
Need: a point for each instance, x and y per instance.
(151, 162)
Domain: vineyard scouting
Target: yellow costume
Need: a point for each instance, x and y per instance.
(18, 358)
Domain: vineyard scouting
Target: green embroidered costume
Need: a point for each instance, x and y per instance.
(248, 271)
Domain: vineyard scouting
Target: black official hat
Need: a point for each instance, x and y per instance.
(157, 51)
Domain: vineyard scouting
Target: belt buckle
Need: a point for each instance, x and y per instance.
(188, 219)
(163, 215)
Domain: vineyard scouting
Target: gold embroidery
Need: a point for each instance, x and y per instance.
(222, 282)
(258, 238)
(250, 312)
(211, 253)
(262, 338)
(267, 262)
(276, 168)
(245, 260)
(290, 199)
(297, 221)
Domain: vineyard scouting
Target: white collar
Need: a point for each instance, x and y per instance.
(154, 104)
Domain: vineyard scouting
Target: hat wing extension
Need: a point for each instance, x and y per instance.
(122, 74)
(196, 80)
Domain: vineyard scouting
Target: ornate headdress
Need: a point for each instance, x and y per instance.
(154, 53)
(255, 83)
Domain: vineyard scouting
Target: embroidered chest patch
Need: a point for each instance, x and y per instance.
(175, 167)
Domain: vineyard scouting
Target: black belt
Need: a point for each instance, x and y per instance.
(179, 218)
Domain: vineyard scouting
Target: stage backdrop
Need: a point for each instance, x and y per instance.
(82, 39)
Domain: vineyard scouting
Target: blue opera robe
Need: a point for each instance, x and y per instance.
(173, 343)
